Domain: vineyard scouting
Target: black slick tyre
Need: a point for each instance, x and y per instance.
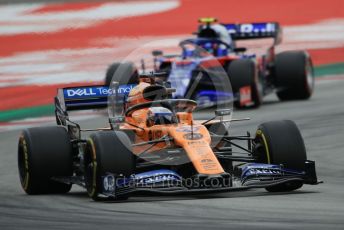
(44, 153)
(294, 75)
(280, 142)
(243, 73)
(107, 152)
(123, 73)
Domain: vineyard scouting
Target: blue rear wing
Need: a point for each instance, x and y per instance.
(87, 97)
(255, 31)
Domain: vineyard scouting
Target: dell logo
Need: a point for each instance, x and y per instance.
(80, 92)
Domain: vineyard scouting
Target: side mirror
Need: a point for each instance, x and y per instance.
(116, 121)
(157, 53)
(240, 49)
(222, 112)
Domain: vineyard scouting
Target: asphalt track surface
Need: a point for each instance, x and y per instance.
(321, 121)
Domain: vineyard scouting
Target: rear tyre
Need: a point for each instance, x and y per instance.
(123, 73)
(243, 73)
(44, 153)
(107, 152)
(294, 75)
(280, 142)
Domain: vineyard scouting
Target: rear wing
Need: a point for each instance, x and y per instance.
(86, 97)
(255, 31)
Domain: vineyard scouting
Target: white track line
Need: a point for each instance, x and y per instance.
(18, 19)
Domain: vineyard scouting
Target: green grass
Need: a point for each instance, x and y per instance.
(331, 69)
(18, 114)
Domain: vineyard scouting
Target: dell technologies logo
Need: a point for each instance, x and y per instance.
(96, 91)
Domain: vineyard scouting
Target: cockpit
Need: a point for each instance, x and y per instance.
(159, 116)
(164, 112)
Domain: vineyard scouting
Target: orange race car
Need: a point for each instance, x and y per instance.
(154, 144)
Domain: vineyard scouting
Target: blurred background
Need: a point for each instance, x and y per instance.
(49, 44)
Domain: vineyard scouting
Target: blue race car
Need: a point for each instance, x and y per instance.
(213, 56)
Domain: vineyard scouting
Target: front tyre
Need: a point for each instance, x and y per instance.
(280, 142)
(107, 152)
(44, 153)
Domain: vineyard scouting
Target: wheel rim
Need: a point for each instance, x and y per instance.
(90, 163)
(309, 77)
(261, 149)
(23, 163)
(260, 90)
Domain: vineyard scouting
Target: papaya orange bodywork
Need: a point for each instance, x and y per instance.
(195, 142)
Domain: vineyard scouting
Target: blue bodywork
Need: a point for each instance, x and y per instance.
(163, 181)
(258, 171)
(154, 178)
(164, 178)
(209, 97)
(182, 71)
(253, 30)
(93, 96)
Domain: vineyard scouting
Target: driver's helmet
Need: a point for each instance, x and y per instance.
(159, 116)
(222, 33)
(219, 32)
